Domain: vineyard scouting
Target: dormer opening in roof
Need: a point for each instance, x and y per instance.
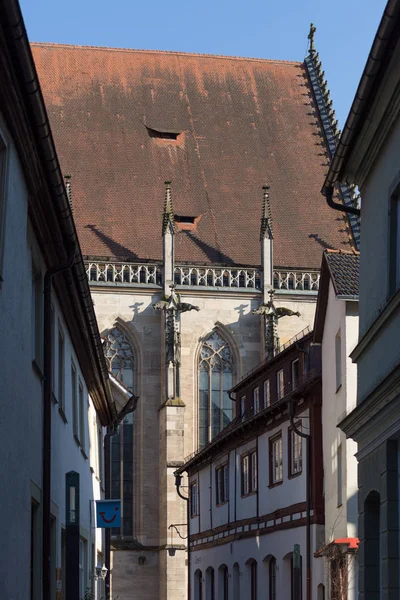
(168, 233)
(267, 240)
(329, 124)
(168, 136)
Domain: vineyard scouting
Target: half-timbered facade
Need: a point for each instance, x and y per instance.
(247, 506)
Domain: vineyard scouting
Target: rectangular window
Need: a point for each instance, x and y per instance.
(3, 189)
(280, 385)
(243, 407)
(295, 373)
(82, 405)
(249, 473)
(253, 580)
(37, 316)
(338, 360)
(60, 369)
(295, 452)
(256, 400)
(276, 459)
(194, 506)
(267, 396)
(339, 475)
(221, 484)
(74, 397)
(394, 253)
(53, 341)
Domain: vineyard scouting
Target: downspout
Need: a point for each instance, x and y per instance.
(328, 193)
(178, 481)
(47, 404)
(307, 437)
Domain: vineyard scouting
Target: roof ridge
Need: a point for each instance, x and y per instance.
(176, 52)
(340, 251)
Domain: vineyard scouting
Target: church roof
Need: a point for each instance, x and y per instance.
(124, 121)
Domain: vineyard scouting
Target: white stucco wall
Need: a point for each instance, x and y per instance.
(21, 402)
(340, 520)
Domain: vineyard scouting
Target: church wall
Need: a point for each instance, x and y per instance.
(158, 431)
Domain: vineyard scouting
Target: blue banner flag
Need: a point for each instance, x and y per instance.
(108, 513)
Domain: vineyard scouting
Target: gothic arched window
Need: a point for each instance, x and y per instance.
(215, 380)
(119, 355)
(120, 359)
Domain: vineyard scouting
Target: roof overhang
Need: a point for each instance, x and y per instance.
(346, 545)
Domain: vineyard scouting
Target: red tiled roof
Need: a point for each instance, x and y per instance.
(242, 122)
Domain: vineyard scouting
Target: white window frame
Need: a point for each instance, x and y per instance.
(267, 393)
(194, 499)
(242, 407)
(221, 481)
(295, 379)
(296, 452)
(276, 460)
(256, 400)
(280, 384)
(249, 472)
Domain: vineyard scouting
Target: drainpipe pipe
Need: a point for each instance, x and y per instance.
(47, 404)
(328, 193)
(178, 482)
(307, 437)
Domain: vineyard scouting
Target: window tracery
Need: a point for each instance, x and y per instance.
(119, 355)
(215, 381)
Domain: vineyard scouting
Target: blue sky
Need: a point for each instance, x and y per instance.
(257, 28)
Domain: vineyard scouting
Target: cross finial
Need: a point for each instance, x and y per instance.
(311, 35)
(168, 215)
(266, 220)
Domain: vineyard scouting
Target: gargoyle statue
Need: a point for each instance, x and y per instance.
(286, 312)
(185, 307)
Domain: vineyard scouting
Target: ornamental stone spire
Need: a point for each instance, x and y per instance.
(168, 232)
(266, 239)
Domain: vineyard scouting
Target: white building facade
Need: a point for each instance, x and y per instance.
(247, 488)
(34, 220)
(336, 330)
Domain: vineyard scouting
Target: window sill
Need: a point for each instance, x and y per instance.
(253, 493)
(194, 516)
(62, 414)
(294, 475)
(218, 504)
(272, 485)
(37, 369)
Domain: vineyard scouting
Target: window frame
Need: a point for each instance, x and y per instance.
(295, 383)
(81, 410)
(291, 447)
(37, 317)
(272, 578)
(249, 473)
(243, 406)
(221, 484)
(266, 393)
(271, 444)
(256, 400)
(194, 498)
(280, 384)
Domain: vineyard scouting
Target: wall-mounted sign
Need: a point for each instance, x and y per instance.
(108, 513)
